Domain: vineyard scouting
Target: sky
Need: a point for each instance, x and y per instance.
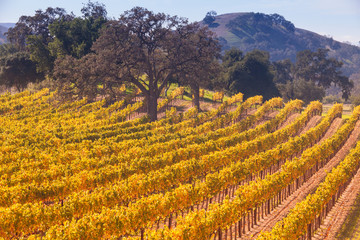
(339, 19)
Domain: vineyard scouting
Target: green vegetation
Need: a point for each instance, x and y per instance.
(250, 74)
(312, 73)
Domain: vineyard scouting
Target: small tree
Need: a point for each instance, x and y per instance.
(323, 71)
(17, 70)
(301, 89)
(210, 17)
(251, 75)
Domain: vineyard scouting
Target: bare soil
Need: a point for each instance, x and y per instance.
(310, 186)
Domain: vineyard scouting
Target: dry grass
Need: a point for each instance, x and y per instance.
(351, 227)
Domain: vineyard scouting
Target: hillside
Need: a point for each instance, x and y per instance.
(273, 33)
(2, 31)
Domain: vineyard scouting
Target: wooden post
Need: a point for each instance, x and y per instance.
(309, 232)
(170, 220)
(240, 227)
(255, 216)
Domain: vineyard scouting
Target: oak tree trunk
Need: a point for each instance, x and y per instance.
(152, 107)
(195, 89)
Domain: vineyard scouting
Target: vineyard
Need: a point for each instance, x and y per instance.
(246, 169)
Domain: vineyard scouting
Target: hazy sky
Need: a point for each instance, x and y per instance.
(339, 19)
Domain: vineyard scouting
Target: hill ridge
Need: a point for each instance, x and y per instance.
(280, 37)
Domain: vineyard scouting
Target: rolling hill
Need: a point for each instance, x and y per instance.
(273, 33)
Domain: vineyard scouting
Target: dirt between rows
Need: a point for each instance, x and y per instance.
(338, 214)
(308, 187)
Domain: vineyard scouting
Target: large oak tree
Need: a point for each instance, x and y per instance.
(147, 50)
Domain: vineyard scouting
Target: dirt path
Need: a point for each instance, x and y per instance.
(282, 210)
(312, 123)
(289, 120)
(334, 126)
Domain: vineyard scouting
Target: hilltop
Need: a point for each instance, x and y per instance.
(275, 34)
